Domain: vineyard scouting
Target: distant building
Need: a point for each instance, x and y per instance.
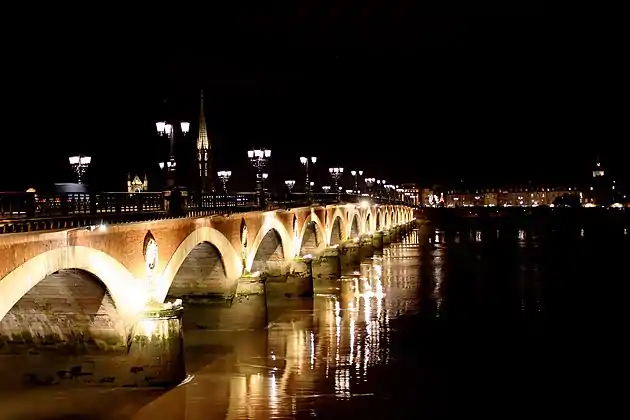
(411, 193)
(509, 197)
(136, 185)
(603, 191)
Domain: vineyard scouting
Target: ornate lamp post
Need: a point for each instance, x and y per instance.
(356, 175)
(336, 174)
(388, 191)
(259, 159)
(79, 165)
(307, 185)
(224, 176)
(290, 184)
(165, 129)
(326, 189)
(370, 183)
(380, 187)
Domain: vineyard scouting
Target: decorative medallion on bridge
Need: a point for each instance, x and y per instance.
(150, 253)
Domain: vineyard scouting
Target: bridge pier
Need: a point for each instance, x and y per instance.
(326, 269)
(387, 237)
(349, 257)
(366, 247)
(297, 283)
(377, 241)
(156, 351)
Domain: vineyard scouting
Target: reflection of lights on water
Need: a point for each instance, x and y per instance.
(437, 276)
(582, 232)
(273, 393)
(187, 379)
(521, 235)
(337, 330)
(352, 333)
(312, 350)
(478, 236)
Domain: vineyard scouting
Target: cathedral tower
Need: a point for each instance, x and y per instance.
(204, 153)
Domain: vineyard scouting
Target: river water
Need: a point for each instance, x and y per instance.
(445, 324)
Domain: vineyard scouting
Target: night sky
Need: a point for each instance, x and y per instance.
(401, 93)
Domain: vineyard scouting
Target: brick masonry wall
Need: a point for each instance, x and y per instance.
(69, 311)
(202, 273)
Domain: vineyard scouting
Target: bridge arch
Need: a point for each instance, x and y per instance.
(128, 293)
(68, 310)
(355, 226)
(312, 231)
(205, 235)
(367, 221)
(378, 223)
(271, 223)
(338, 228)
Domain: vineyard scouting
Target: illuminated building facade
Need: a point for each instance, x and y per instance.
(603, 190)
(204, 153)
(411, 193)
(510, 197)
(136, 185)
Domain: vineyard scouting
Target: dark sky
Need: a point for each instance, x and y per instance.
(403, 93)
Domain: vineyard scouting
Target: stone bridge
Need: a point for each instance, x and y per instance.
(102, 289)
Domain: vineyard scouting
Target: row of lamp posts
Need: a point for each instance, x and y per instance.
(259, 159)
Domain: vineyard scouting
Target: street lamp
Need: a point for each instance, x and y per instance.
(388, 191)
(326, 188)
(290, 184)
(79, 165)
(356, 175)
(185, 126)
(165, 129)
(370, 183)
(336, 174)
(224, 177)
(259, 159)
(307, 185)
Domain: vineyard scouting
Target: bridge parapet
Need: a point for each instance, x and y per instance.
(25, 212)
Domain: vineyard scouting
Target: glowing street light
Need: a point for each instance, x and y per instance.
(79, 165)
(336, 174)
(167, 130)
(326, 189)
(307, 185)
(224, 177)
(369, 182)
(290, 184)
(185, 126)
(356, 175)
(259, 159)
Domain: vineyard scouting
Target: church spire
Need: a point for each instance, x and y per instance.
(202, 140)
(204, 152)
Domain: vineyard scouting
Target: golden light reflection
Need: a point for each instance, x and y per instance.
(438, 267)
(333, 353)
